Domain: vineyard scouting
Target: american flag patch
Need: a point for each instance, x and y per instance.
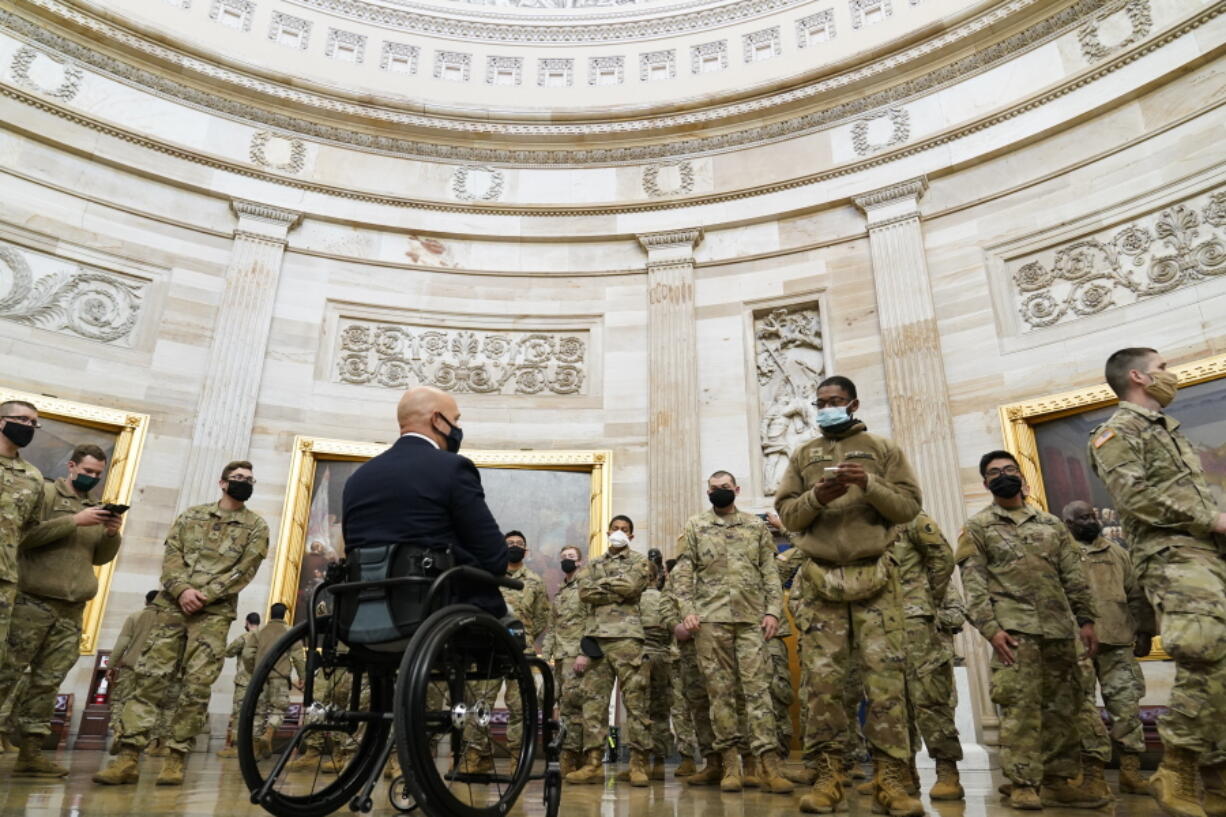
(1103, 438)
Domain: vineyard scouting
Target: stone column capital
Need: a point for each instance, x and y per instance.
(263, 222)
(897, 202)
(671, 244)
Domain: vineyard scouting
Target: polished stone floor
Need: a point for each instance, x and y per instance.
(214, 787)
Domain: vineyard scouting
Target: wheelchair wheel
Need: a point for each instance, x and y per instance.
(334, 747)
(449, 680)
(400, 797)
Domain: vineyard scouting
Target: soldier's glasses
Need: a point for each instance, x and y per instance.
(20, 420)
(1009, 470)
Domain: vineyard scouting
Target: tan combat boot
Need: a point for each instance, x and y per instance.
(1060, 792)
(1174, 784)
(804, 776)
(1214, 778)
(772, 774)
(711, 774)
(733, 776)
(157, 748)
(751, 775)
(685, 768)
(263, 744)
(308, 761)
(657, 768)
(592, 770)
(392, 770)
(125, 768)
(172, 769)
(826, 796)
(1092, 780)
(623, 776)
(948, 785)
(1024, 798)
(640, 773)
(568, 762)
(892, 796)
(1131, 779)
(476, 762)
(229, 750)
(32, 763)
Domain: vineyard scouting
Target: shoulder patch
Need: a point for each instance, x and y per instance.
(1105, 436)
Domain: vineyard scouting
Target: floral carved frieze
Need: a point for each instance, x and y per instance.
(790, 363)
(46, 75)
(669, 179)
(480, 361)
(481, 183)
(894, 120)
(1140, 20)
(1181, 245)
(275, 152)
(47, 293)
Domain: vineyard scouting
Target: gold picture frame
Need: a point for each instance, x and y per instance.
(308, 451)
(130, 429)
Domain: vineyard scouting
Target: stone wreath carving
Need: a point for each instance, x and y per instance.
(86, 303)
(66, 90)
(1139, 15)
(651, 180)
(1090, 275)
(461, 360)
(899, 119)
(459, 183)
(790, 364)
(297, 153)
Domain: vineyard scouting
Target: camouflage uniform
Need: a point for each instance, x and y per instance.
(779, 669)
(567, 618)
(244, 649)
(696, 703)
(21, 499)
(1157, 482)
(925, 567)
(1022, 574)
(56, 566)
(610, 586)
(679, 714)
(216, 552)
(656, 645)
(850, 595)
(274, 697)
(131, 642)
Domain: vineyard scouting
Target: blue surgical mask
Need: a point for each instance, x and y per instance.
(832, 416)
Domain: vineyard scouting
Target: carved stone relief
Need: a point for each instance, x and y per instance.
(670, 179)
(400, 57)
(481, 183)
(508, 362)
(288, 30)
(759, 44)
(48, 294)
(599, 67)
(233, 13)
(898, 121)
(58, 79)
(1140, 20)
(341, 43)
(790, 363)
(815, 28)
(1179, 246)
(717, 49)
(277, 152)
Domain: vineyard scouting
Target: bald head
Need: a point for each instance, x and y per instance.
(420, 408)
(1082, 521)
(1075, 509)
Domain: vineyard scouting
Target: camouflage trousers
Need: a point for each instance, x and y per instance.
(732, 656)
(930, 691)
(570, 703)
(682, 720)
(1123, 685)
(487, 692)
(867, 635)
(780, 679)
(336, 690)
(853, 693)
(1095, 742)
(1187, 587)
(8, 595)
(45, 636)
(659, 700)
(274, 700)
(190, 649)
(1040, 698)
(236, 704)
(697, 702)
(622, 662)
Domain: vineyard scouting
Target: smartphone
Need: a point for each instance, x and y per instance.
(762, 516)
(834, 469)
(118, 510)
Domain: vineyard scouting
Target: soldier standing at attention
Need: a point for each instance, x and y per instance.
(274, 697)
(567, 617)
(658, 637)
(133, 636)
(56, 563)
(1024, 586)
(844, 495)
(21, 498)
(778, 668)
(212, 552)
(610, 586)
(244, 649)
(1177, 534)
(694, 700)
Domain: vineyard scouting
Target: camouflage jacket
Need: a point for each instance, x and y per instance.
(215, 552)
(726, 569)
(788, 565)
(925, 566)
(132, 637)
(530, 605)
(56, 559)
(653, 613)
(244, 649)
(1118, 597)
(1156, 481)
(610, 586)
(1022, 573)
(567, 620)
(861, 523)
(21, 500)
(266, 639)
(952, 615)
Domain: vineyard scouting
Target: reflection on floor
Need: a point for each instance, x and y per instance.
(215, 787)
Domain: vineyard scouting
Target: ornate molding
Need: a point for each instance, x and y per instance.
(69, 84)
(258, 152)
(275, 216)
(356, 42)
(685, 186)
(900, 122)
(860, 8)
(688, 239)
(1182, 245)
(790, 361)
(462, 175)
(911, 189)
(1140, 17)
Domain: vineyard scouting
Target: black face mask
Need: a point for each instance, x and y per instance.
(1086, 531)
(84, 483)
(239, 491)
(455, 436)
(721, 497)
(569, 566)
(515, 554)
(18, 434)
(1005, 486)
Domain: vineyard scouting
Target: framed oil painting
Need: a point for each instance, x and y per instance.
(121, 434)
(556, 498)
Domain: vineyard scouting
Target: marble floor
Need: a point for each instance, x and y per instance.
(215, 788)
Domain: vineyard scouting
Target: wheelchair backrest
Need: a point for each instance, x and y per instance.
(385, 618)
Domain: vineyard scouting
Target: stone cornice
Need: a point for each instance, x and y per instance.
(274, 216)
(911, 189)
(669, 239)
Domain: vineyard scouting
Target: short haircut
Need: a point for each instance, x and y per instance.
(1121, 363)
(575, 548)
(253, 618)
(8, 405)
(995, 455)
(623, 518)
(231, 467)
(844, 383)
(670, 564)
(277, 611)
(719, 474)
(151, 595)
(511, 533)
(87, 450)
(654, 570)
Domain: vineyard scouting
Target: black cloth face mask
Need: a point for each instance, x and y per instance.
(239, 491)
(1005, 486)
(1086, 531)
(515, 554)
(568, 566)
(84, 482)
(722, 497)
(18, 434)
(455, 436)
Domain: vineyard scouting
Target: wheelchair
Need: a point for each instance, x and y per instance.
(393, 664)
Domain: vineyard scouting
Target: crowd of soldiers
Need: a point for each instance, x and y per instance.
(848, 565)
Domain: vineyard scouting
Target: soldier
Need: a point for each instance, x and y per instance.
(658, 637)
(133, 636)
(730, 596)
(610, 586)
(21, 499)
(1177, 533)
(212, 552)
(567, 618)
(843, 495)
(1024, 585)
(1121, 605)
(696, 703)
(684, 738)
(243, 648)
(56, 564)
(274, 697)
(779, 671)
